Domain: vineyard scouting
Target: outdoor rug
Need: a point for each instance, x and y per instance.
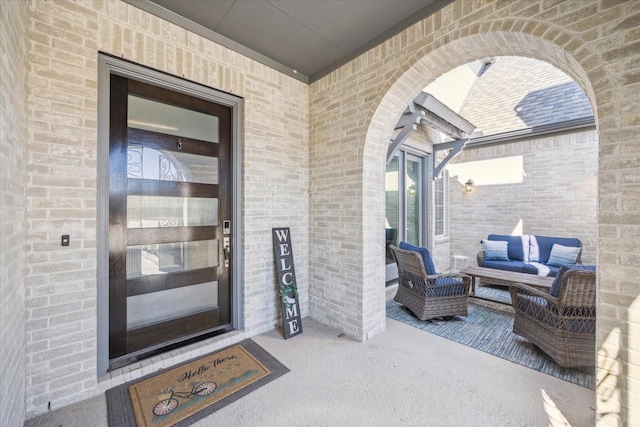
(182, 395)
(488, 327)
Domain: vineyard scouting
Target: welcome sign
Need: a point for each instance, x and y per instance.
(287, 285)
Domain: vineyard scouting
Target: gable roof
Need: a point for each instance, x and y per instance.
(516, 93)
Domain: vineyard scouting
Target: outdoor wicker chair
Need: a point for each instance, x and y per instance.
(561, 323)
(429, 295)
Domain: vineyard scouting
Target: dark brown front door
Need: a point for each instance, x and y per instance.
(170, 204)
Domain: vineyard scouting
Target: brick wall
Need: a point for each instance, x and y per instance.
(544, 186)
(13, 118)
(354, 110)
(351, 115)
(61, 286)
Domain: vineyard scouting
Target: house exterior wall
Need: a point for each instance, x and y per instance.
(351, 115)
(13, 135)
(544, 186)
(64, 41)
(354, 110)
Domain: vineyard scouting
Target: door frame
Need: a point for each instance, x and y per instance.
(108, 65)
(423, 194)
(404, 154)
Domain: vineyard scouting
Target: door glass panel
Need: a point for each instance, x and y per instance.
(413, 201)
(161, 165)
(147, 309)
(392, 220)
(145, 260)
(164, 118)
(160, 211)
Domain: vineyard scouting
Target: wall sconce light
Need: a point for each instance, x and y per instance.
(468, 186)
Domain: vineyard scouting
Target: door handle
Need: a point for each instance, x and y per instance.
(226, 249)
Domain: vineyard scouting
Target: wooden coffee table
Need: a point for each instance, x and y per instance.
(506, 278)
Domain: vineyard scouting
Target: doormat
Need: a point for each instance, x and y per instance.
(182, 395)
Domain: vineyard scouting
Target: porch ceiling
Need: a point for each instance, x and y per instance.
(306, 39)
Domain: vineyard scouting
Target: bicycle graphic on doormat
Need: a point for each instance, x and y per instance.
(169, 399)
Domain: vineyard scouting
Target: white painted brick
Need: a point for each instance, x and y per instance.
(557, 195)
(321, 159)
(62, 166)
(404, 70)
(13, 128)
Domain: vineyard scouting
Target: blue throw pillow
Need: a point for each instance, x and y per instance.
(517, 248)
(540, 246)
(426, 256)
(496, 250)
(561, 255)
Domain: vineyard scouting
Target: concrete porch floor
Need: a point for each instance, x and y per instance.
(403, 376)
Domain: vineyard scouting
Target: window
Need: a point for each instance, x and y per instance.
(439, 200)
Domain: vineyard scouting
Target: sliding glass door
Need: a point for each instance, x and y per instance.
(406, 195)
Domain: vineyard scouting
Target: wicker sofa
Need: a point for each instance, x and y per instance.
(561, 323)
(528, 253)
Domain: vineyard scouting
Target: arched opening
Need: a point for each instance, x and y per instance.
(417, 74)
(532, 157)
(414, 76)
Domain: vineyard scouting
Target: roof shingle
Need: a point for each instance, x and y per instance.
(518, 93)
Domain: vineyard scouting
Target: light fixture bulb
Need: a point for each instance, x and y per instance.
(468, 186)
